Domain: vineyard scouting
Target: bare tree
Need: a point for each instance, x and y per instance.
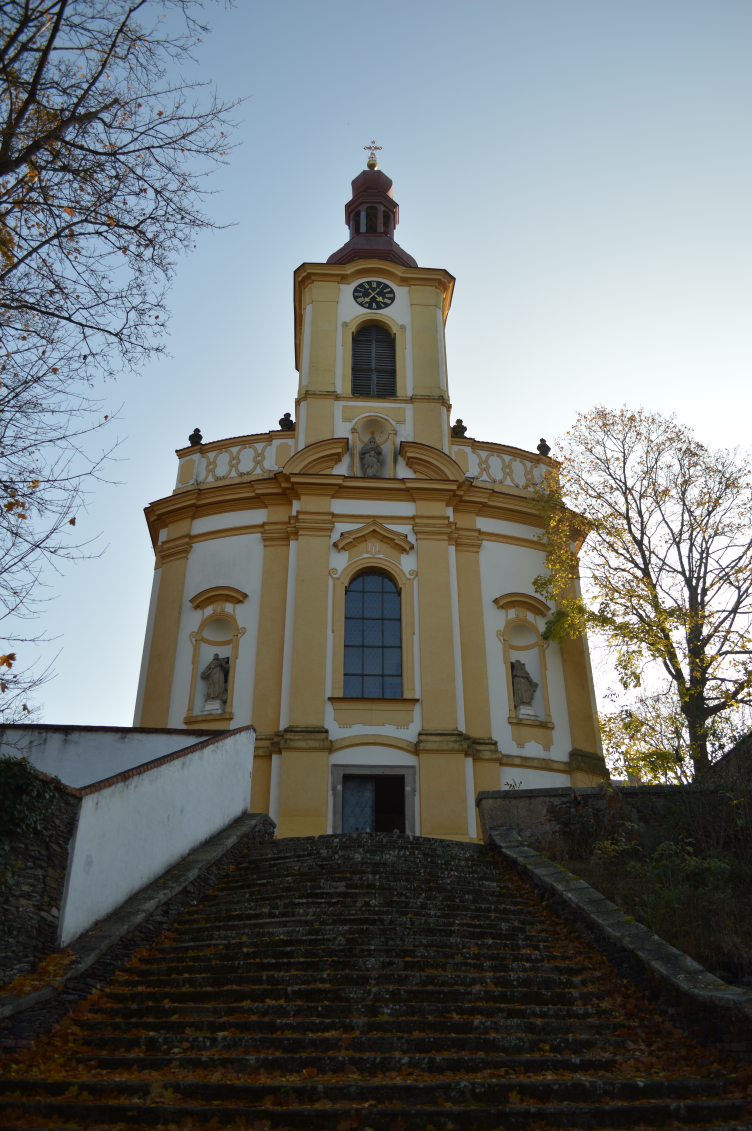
(664, 529)
(103, 153)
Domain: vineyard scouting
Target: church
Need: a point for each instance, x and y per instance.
(358, 584)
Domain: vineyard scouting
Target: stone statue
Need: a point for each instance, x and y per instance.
(523, 688)
(286, 423)
(370, 457)
(215, 673)
(543, 448)
(458, 428)
(195, 437)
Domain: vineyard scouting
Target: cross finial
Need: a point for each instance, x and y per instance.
(372, 162)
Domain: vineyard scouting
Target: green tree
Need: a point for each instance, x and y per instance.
(649, 545)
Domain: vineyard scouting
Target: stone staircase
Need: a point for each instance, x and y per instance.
(371, 981)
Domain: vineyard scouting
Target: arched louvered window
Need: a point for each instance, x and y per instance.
(373, 638)
(374, 363)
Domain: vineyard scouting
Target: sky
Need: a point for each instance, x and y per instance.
(582, 167)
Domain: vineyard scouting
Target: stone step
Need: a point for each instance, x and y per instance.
(253, 1042)
(537, 1030)
(700, 1115)
(338, 1062)
(336, 1013)
(357, 993)
(463, 1090)
(390, 983)
(218, 964)
(243, 975)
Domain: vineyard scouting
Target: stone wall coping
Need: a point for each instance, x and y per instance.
(144, 767)
(93, 943)
(670, 965)
(64, 728)
(584, 790)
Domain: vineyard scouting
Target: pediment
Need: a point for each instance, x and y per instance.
(319, 458)
(374, 538)
(430, 463)
(524, 601)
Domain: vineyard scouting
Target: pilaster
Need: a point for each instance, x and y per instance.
(267, 690)
(172, 559)
(314, 524)
(467, 546)
(443, 790)
(304, 785)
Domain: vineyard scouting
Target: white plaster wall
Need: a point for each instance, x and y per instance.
(131, 832)
(237, 561)
(338, 560)
(519, 777)
(81, 756)
(147, 647)
(511, 569)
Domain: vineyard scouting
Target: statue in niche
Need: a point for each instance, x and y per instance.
(215, 673)
(523, 688)
(370, 457)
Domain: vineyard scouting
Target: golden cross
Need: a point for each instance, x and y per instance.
(372, 155)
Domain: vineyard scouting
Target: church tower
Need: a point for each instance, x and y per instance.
(358, 584)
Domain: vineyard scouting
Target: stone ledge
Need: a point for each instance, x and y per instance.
(698, 988)
(92, 944)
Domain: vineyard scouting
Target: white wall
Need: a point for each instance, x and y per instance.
(236, 560)
(504, 569)
(130, 832)
(81, 756)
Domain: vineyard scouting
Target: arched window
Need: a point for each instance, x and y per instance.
(372, 218)
(374, 363)
(373, 638)
(386, 223)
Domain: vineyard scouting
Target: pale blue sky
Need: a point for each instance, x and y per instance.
(581, 166)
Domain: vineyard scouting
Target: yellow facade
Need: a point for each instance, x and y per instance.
(445, 519)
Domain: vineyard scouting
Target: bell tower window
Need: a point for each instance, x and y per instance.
(372, 218)
(374, 363)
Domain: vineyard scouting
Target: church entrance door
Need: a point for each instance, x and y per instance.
(373, 804)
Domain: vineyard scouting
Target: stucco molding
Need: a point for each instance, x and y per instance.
(318, 458)
(430, 463)
(374, 538)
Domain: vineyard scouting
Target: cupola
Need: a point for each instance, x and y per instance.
(371, 216)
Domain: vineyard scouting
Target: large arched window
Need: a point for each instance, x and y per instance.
(374, 363)
(373, 638)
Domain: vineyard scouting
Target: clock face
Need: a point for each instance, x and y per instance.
(373, 295)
